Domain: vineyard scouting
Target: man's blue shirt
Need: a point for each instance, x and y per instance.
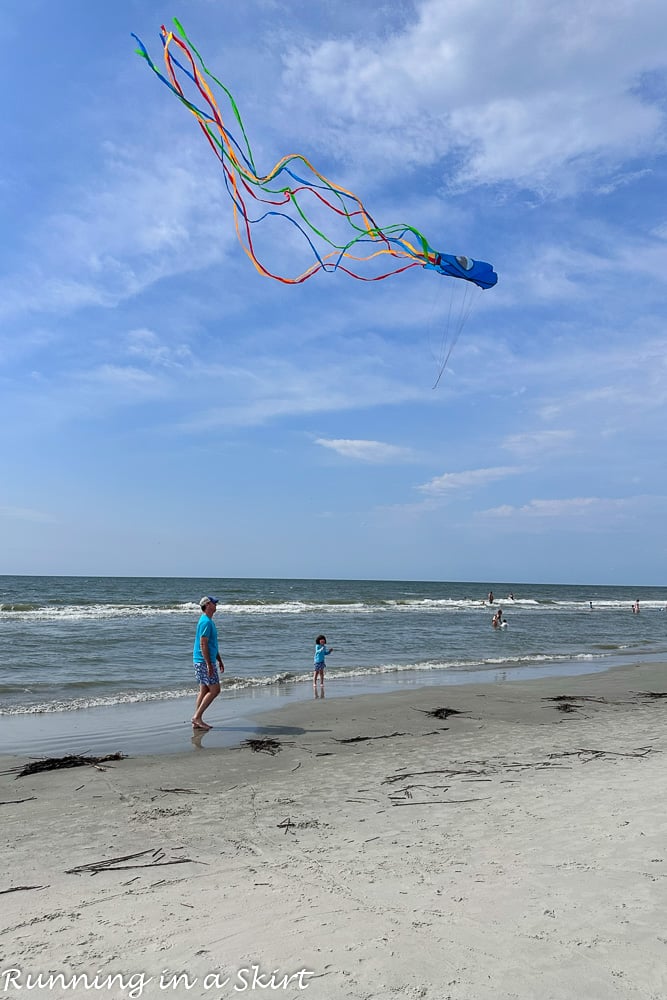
(205, 629)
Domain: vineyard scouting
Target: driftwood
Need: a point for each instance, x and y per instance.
(597, 754)
(653, 694)
(479, 770)
(439, 802)
(120, 865)
(574, 697)
(419, 774)
(363, 739)
(407, 791)
(22, 888)
(99, 865)
(15, 802)
(54, 763)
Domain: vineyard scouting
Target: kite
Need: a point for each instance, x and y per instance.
(301, 200)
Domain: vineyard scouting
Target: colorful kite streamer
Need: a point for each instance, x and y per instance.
(283, 188)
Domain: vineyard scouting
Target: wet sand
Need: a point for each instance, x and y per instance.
(509, 849)
(163, 726)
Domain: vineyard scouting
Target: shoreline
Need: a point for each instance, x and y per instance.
(163, 726)
(510, 850)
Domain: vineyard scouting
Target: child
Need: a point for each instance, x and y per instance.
(320, 652)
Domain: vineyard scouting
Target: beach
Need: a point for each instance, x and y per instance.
(498, 840)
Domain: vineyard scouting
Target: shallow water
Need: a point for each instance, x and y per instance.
(160, 727)
(75, 643)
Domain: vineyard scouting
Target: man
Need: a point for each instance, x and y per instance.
(206, 659)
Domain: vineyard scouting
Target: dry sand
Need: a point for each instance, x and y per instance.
(514, 850)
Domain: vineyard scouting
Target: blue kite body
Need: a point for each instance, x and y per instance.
(477, 271)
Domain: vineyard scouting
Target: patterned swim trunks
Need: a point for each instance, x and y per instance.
(203, 676)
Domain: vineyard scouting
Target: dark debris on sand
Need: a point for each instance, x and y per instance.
(440, 713)
(363, 739)
(568, 703)
(55, 763)
(267, 745)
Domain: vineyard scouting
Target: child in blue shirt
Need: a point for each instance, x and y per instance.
(321, 651)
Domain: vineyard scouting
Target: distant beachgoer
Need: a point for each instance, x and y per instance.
(490, 597)
(510, 596)
(635, 607)
(497, 620)
(590, 604)
(207, 660)
(321, 650)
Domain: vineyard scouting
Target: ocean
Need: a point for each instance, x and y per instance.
(74, 643)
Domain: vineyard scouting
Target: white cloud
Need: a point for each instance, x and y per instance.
(567, 509)
(451, 482)
(140, 220)
(281, 388)
(123, 375)
(146, 345)
(622, 180)
(538, 442)
(26, 514)
(542, 96)
(368, 451)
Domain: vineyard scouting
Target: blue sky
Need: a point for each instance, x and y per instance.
(166, 410)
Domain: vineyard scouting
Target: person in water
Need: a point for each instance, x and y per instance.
(497, 619)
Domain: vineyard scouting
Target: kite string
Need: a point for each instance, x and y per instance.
(449, 341)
